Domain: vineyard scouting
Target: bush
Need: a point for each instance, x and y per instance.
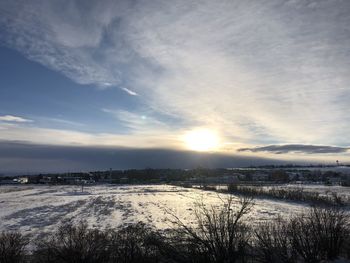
(289, 194)
(134, 243)
(221, 235)
(320, 234)
(73, 244)
(12, 247)
(273, 242)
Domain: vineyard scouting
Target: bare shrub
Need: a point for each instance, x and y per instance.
(12, 247)
(320, 234)
(73, 244)
(134, 243)
(346, 249)
(220, 235)
(289, 194)
(272, 242)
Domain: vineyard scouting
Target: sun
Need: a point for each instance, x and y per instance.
(202, 140)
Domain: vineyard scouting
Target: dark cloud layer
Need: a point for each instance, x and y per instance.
(296, 148)
(21, 157)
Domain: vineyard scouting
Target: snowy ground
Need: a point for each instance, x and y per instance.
(36, 209)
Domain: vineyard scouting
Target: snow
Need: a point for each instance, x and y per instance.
(38, 209)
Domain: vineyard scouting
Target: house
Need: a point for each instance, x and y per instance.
(23, 180)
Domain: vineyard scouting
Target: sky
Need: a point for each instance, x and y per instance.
(239, 82)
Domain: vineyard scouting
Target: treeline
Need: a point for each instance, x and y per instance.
(197, 175)
(290, 194)
(221, 234)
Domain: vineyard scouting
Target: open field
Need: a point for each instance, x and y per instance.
(39, 209)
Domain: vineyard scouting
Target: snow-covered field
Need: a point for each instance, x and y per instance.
(36, 209)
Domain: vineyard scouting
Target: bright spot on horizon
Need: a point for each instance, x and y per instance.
(202, 140)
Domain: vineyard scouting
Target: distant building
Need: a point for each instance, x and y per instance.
(23, 180)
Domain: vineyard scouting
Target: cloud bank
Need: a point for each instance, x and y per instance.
(18, 157)
(296, 148)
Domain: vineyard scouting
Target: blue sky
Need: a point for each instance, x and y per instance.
(52, 100)
(256, 74)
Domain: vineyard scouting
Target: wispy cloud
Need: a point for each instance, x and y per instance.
(130, 92)
(12, 118)
(139, 123)
(61, 121)
(258, 71)
(140, 138)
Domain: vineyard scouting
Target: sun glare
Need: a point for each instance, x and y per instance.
(202, 140)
